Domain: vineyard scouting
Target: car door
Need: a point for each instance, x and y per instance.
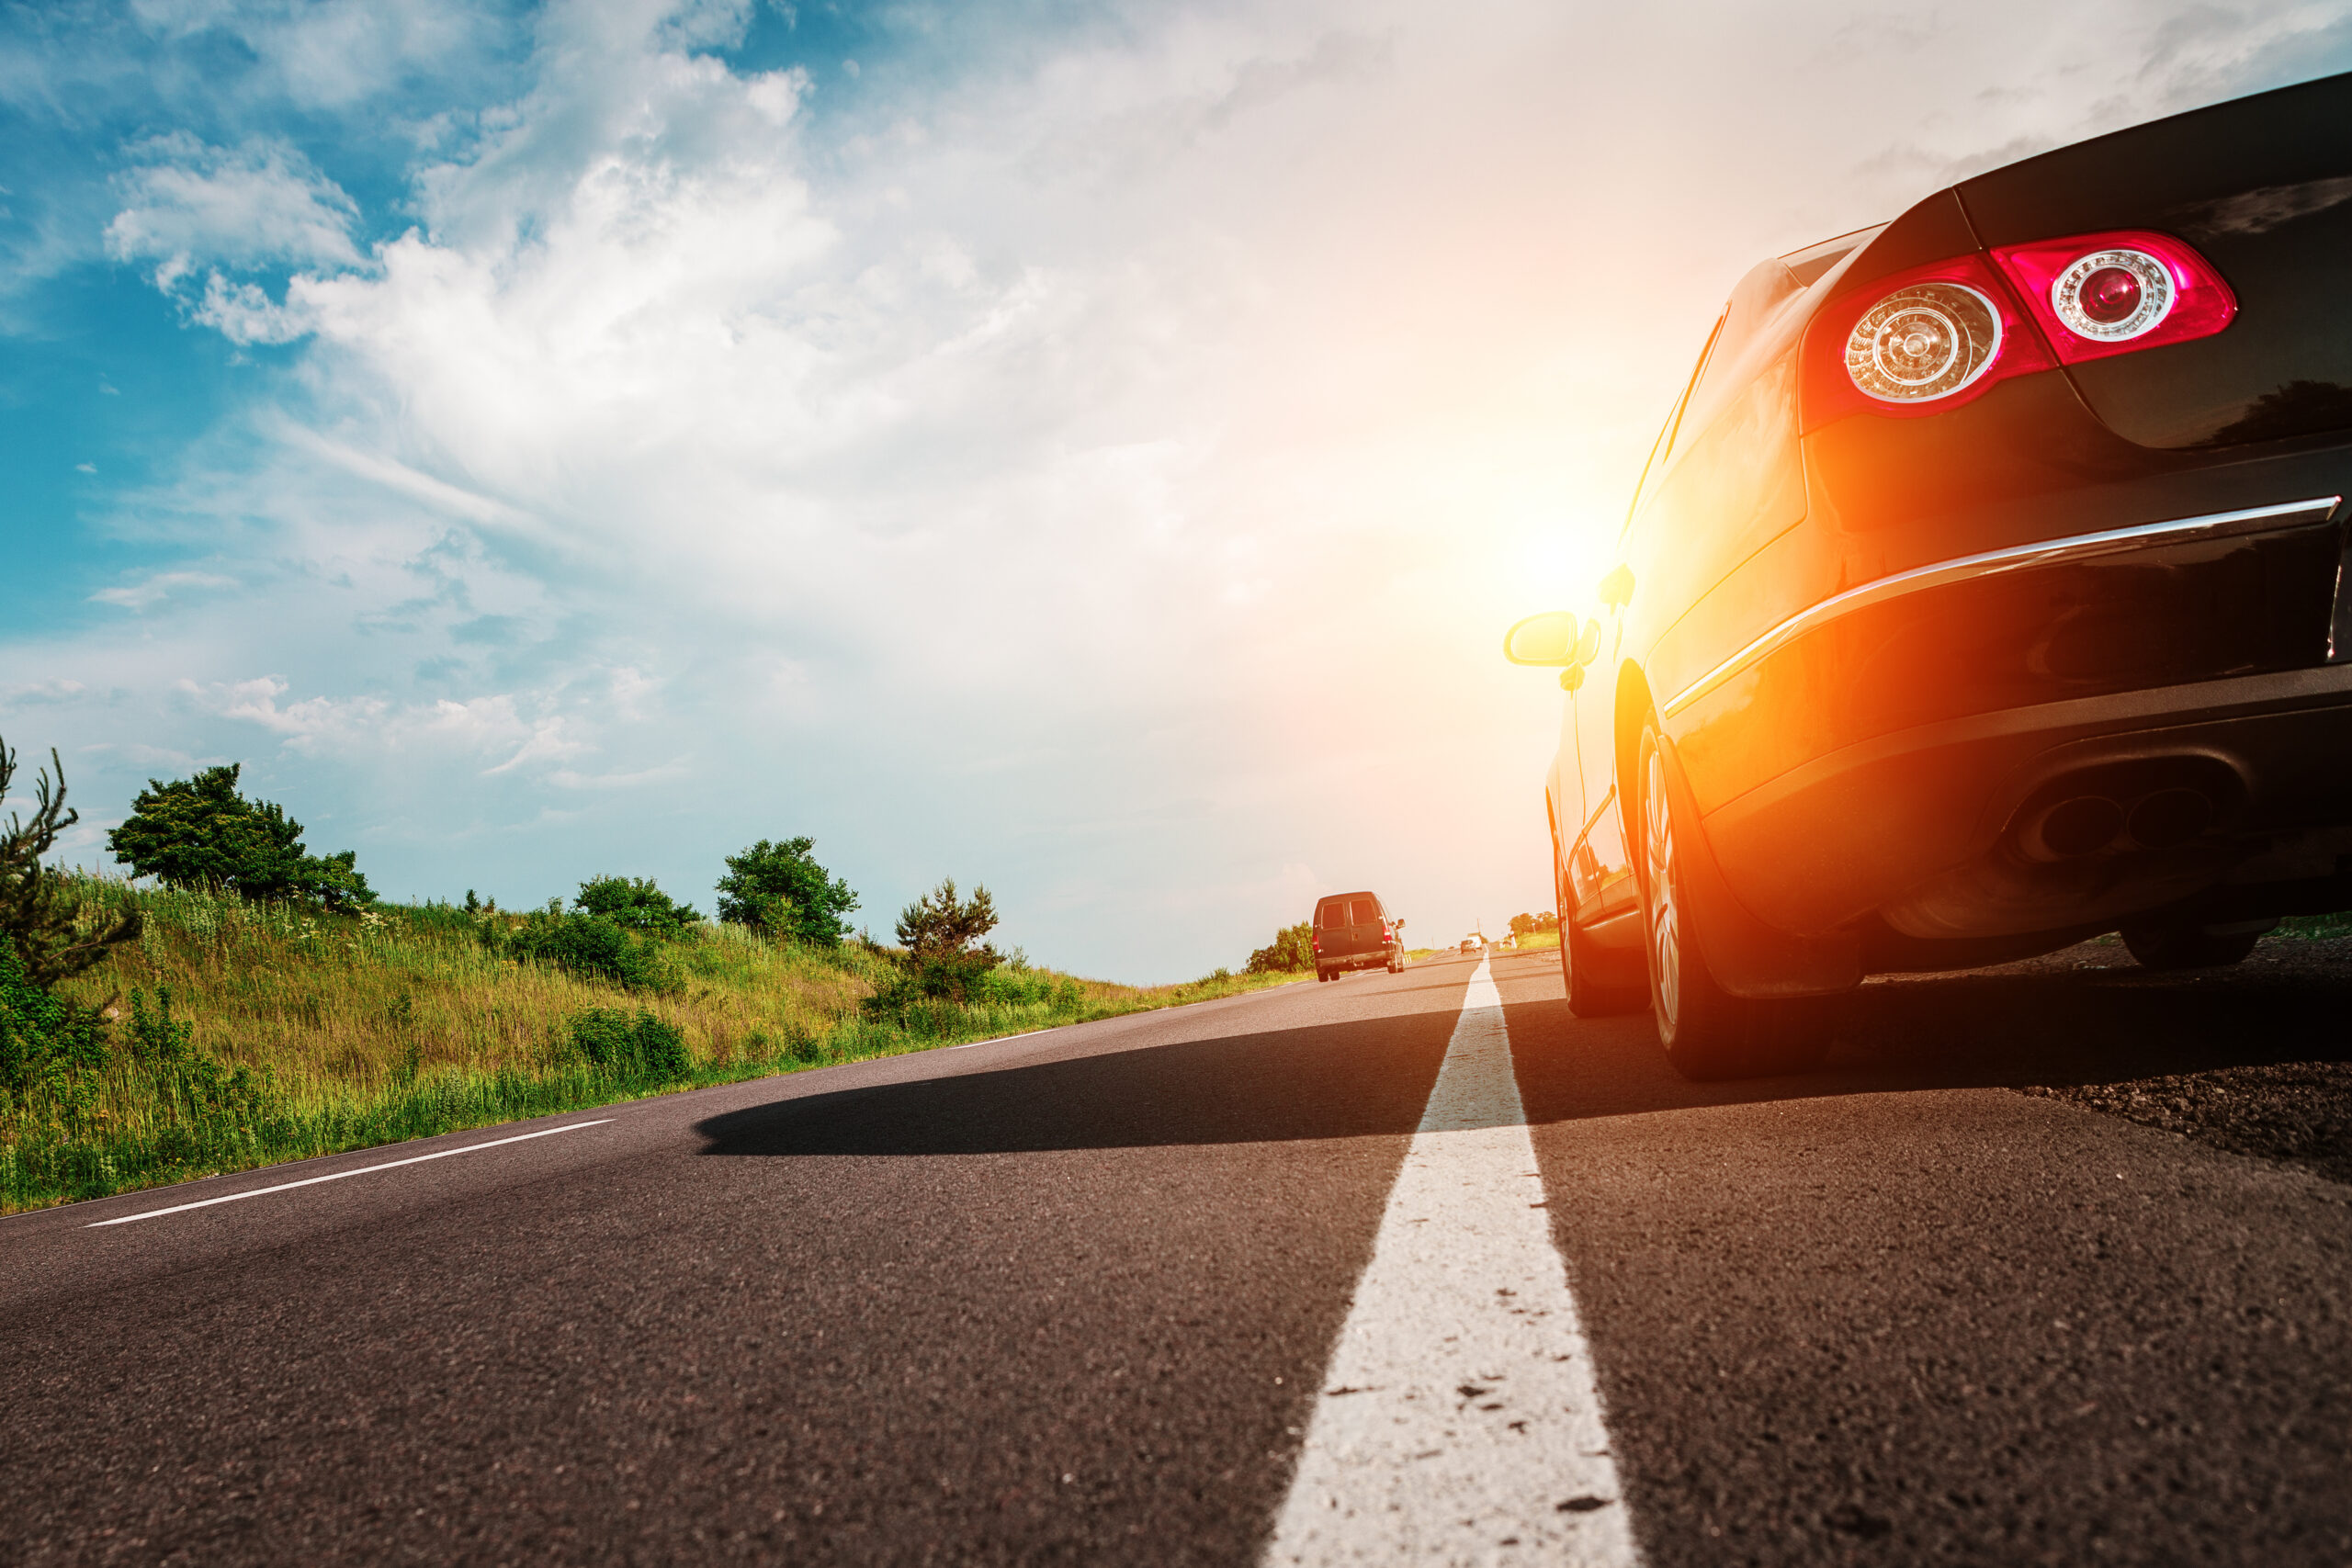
(1601, 868)
(1331, 927)
(1363, 924)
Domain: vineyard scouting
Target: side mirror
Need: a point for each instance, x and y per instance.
(1548, 638)
(1589, 645)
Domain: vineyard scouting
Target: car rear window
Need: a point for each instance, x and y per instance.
(1363, 910)
(1334, 913)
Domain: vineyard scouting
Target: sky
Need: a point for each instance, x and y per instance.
(1092, 451)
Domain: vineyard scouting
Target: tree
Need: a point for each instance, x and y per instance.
(941, 925)
(1528, 925)
(47, 926)
(781, 890)
(636, 903)
(200, 832)
(1293, 949)
(943, 934)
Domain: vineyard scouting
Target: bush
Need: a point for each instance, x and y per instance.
(200, 832)
(1292, 950)
(781, 890)
(641, 1049)
(1028, 987)
(635, 904)
(593, 947)
(51, 1050)
(44, 1040)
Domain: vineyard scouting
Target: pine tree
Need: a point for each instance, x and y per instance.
(942, 935)
(52, 934)
(941, 926)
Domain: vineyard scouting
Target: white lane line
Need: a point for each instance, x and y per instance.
(1459, 1422)
(363, 1170)
(999, 1040)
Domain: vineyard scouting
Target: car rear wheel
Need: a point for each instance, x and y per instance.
(2177, 944)
(1707, 1031)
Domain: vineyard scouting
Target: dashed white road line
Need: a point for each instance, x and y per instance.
(340, 1175)
(1459, 1422)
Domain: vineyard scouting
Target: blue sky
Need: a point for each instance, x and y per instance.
(544, 441)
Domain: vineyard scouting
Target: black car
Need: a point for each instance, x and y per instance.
(1984, 592)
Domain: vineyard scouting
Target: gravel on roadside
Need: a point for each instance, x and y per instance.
(2299, 1112)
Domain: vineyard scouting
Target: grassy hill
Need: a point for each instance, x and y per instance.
(288, 1032)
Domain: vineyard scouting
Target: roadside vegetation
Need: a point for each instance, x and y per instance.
(248, 1010)
(1291, 953)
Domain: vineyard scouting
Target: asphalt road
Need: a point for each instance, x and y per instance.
(1072, 1298)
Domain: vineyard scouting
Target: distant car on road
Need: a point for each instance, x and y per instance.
(1986, 590)
(1470, 944)
(1353, 932)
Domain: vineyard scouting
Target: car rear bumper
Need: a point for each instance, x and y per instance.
(1968, 829)
(2247, 592)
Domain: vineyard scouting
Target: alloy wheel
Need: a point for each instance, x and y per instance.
(1666, 936)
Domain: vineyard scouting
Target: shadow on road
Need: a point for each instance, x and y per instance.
(2050, 1023)
(2088, 1016)
(1329, 1081)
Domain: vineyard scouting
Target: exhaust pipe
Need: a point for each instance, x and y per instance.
(2138, 802)
(2170, 816)
(2086, 824)
(2082, 826)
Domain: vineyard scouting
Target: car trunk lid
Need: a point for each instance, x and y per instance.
(2262, 187)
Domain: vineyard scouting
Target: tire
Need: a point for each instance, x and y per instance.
(2179, 945)
(1589, 996)
(1321, 974)
(1707, 1031)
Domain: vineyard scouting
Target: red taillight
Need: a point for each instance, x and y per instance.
(1920, 341)
(2095, 295)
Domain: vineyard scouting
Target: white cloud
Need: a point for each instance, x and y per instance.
(498, 734)
(156, 587)
(187, 203)
(331, 53)
(31, 692)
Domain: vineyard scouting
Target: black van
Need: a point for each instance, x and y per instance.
(1353, 932)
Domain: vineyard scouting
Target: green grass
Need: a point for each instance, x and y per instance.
(2315, 928)
(353, 1031)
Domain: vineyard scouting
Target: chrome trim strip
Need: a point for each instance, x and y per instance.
(1608, 799)
(2046, 552)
